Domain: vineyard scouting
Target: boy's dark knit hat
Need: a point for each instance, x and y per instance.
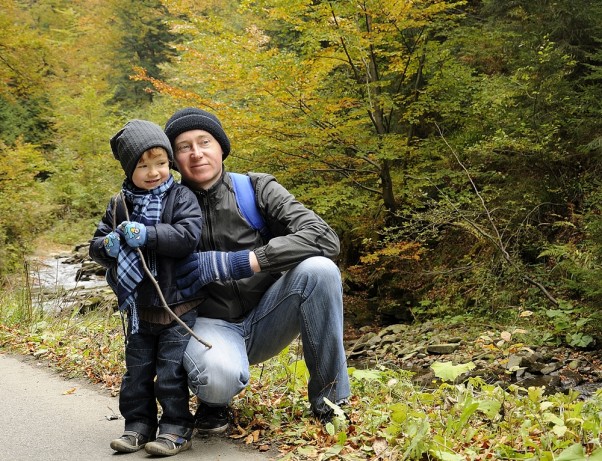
(192, 118)
(135, 138)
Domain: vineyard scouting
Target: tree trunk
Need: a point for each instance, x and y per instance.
(387, 190)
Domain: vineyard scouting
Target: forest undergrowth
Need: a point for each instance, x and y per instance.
(388, 417)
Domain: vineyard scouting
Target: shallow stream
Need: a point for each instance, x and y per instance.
(56, 284)
(58, 274)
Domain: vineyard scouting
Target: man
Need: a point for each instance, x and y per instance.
(295, 287)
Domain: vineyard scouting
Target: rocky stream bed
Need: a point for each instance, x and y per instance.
(68, 280)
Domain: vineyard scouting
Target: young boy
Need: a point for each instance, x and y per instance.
(165, 223)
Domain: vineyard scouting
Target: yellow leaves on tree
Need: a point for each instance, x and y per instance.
(22, 207)
(388, 259)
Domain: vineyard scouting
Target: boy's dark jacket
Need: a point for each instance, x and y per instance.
(175, 237)
(297, 234)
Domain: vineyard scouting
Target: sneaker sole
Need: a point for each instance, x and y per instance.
(125, 447)
(158, 449)
(213, 430)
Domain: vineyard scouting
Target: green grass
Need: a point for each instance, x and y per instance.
(389, 417)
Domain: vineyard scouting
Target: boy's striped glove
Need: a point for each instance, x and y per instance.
(199, 269)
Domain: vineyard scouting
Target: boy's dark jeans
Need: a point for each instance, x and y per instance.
(157, 350)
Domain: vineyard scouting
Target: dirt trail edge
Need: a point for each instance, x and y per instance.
(44, 416)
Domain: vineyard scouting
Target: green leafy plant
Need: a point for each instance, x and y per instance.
(449, 372)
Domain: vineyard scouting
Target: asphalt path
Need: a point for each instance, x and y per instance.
(44, 416)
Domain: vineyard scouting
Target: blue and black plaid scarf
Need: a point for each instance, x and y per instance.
(130, 272)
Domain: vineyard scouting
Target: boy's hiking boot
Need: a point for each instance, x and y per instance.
(211, 420)
(129, 442)
(167, 445)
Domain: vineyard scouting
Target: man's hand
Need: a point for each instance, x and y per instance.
(111, 243)
(199, 269)
(134, 233)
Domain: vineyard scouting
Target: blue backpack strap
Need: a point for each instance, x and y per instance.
(245, 199)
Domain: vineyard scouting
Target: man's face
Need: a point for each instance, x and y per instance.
(198, 157)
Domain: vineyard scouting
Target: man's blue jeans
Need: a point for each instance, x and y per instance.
(306, 300)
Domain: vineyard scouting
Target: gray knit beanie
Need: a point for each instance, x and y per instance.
(135, 138)
(192, 118)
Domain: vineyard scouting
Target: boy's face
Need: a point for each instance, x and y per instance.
(152, 169)
(198, 157)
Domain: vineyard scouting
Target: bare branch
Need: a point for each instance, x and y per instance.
(496, 239)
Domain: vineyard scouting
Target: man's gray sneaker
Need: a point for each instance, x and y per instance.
(167, 445)
(129, 442)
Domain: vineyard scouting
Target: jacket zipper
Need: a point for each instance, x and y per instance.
(204, 200)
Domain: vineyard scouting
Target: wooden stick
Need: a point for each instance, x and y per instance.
(150, 275)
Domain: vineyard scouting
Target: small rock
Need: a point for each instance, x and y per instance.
(389, 339)
(549, 368)
(396, 329)
(363, 341)
(574, 364)
(551, 383)
(520, 372)
(447, 348)
(570, 378)
(514, 361)
(408, 356)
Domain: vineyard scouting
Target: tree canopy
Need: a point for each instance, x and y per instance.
(453, 145)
